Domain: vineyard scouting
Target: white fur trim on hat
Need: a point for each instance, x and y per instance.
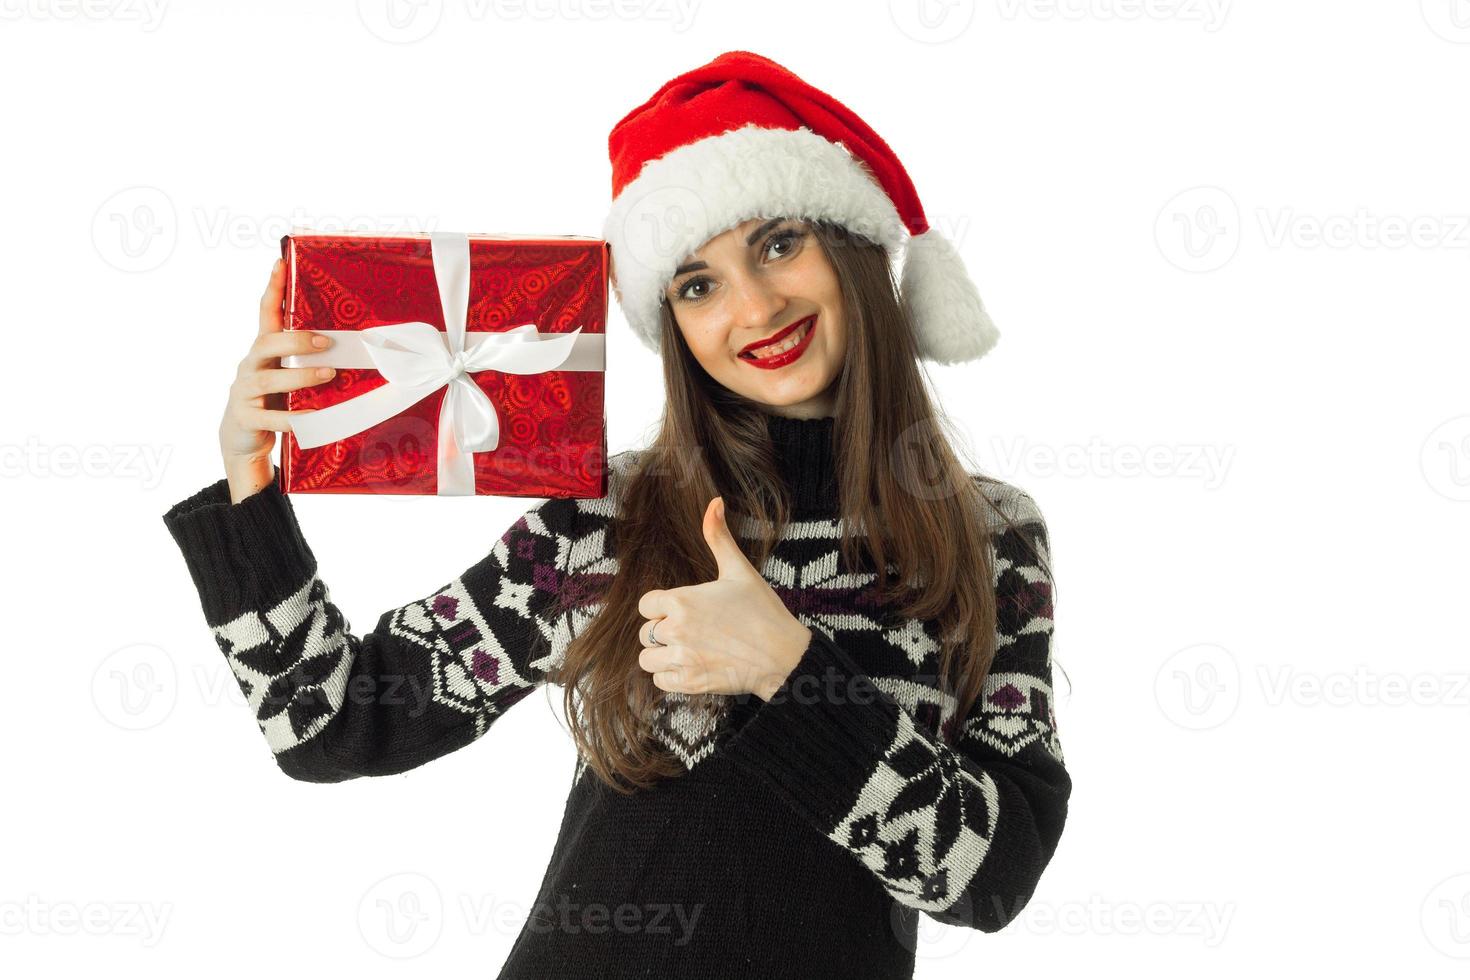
(695, 192)
(949, 319)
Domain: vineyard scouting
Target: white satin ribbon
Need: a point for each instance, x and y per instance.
(417, 360)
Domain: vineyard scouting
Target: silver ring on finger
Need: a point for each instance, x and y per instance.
(653, 641)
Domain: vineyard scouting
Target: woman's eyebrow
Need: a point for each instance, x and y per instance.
(763, 229)
(695, 266)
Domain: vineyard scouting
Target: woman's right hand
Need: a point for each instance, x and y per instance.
(255, 410)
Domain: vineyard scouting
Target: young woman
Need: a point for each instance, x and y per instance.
(804, 652)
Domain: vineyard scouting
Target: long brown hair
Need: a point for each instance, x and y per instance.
(897, 475)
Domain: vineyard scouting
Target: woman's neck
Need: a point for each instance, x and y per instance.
(806, 458)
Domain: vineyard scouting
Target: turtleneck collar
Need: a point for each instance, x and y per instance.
(806, 459)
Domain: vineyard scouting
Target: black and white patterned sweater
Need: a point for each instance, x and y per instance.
(807, 833)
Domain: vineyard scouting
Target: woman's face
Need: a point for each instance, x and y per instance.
(750, 284)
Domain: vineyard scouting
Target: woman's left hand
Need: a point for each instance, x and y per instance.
(728, 636)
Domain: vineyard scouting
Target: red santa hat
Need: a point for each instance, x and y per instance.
(742, 137)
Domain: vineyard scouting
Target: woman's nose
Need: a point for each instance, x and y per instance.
(756, 303)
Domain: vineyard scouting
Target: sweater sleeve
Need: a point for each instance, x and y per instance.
(960, 832)
(430, 678)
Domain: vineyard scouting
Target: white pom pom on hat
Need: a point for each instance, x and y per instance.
(742, 137)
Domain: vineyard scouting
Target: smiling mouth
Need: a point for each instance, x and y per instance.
(786, 343)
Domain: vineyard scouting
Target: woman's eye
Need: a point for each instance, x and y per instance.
(684, 290)
(790, 236)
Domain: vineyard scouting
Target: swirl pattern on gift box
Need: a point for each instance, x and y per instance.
(553, 429)
(356, 282)
(556, 394)
(347, 310)
(522, 428)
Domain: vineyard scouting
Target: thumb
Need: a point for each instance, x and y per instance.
(729, 559)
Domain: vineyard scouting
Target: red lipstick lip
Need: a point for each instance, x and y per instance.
(777, 361)
(779, 335)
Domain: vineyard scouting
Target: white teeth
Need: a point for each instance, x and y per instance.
(783, 346)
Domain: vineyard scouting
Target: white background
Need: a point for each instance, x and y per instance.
(1227, 246)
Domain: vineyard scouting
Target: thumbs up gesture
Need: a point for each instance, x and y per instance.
(728, 636)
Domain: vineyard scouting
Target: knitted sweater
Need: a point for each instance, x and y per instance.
(806, 834)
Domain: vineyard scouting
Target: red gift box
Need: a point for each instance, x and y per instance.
(518, 302)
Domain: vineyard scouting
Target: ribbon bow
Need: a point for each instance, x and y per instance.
(417, 360)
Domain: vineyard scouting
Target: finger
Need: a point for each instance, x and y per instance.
(271, 380)
(653, 658)
(269, 348)
(729, 559)
(653, 604)
(673, 681)
(272, 320)
(265, 418)
(664, 658)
